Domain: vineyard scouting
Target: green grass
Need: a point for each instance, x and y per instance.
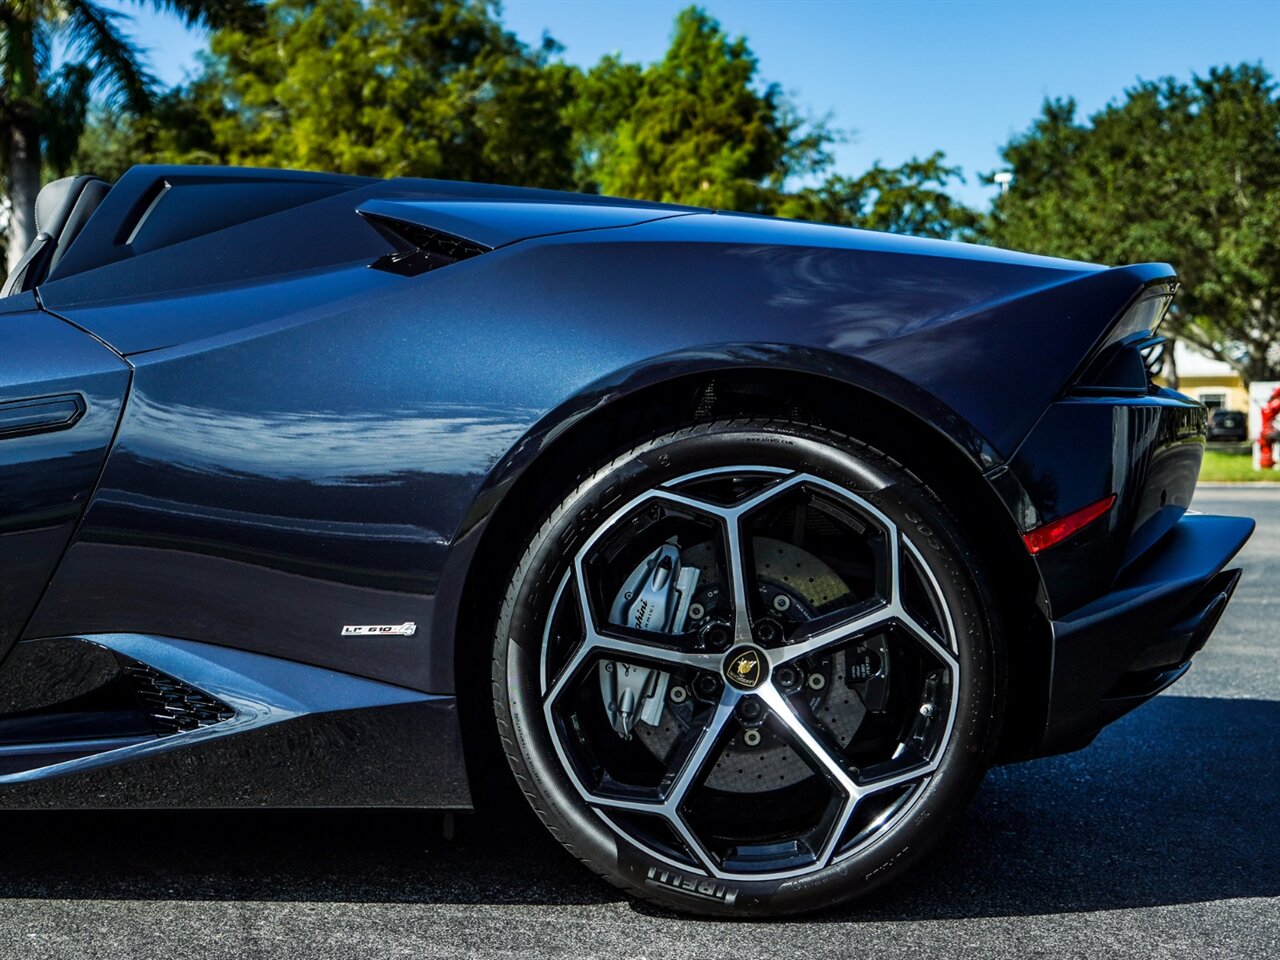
(1228, 467)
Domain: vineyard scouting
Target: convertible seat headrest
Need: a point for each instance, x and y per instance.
(63, 207)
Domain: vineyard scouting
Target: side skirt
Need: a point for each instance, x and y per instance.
(127, 720)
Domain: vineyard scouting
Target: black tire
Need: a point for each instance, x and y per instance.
(924, 524)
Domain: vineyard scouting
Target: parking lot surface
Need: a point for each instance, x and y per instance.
(1162, 839)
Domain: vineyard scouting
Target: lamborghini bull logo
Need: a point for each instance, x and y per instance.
(744, 668)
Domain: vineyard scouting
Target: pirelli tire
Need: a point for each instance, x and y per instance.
(684, 856)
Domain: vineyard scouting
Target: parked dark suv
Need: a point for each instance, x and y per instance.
(1227, 425)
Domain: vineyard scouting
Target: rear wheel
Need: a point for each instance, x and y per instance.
(746, 668)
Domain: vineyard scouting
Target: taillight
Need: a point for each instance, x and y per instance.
(1046, 536)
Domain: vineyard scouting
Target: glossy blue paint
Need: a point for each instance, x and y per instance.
(496, 223)
(1145, 450)
(301, 451)
(48, 469)
(1127, 644)
(310, 443)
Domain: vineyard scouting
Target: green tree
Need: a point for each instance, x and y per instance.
(604, 97)
(42, 109)
(438, 88)
(700, 131)
(176, 130)
(1187, 173)
(431, 88)
(910, 199)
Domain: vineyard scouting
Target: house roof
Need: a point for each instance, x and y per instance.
(1193, 363)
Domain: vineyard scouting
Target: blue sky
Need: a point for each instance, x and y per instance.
(907, 77)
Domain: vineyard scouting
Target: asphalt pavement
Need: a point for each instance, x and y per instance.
(1162, 839)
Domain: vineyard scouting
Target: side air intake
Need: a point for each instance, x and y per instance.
(171, 705)
(67, 698)
(419, 248)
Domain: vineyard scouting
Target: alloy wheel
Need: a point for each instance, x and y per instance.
(749, 672)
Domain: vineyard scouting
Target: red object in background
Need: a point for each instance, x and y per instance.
(1267, 435)
(1042, 538)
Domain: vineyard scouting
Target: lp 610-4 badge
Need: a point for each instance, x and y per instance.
(393, 630)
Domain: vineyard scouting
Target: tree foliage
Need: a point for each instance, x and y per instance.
(1187, 173)
(43, 108)
(431, 88)
(603, 99)
(699, 130)
(438, 88)
(911, 198)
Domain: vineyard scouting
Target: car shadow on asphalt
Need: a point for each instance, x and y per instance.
(1177, 803)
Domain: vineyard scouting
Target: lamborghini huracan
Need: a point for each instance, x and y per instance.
(740, 547)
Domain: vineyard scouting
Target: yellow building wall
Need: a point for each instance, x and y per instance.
(1237, 397)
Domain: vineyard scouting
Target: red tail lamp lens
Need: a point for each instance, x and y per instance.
(1044, 537)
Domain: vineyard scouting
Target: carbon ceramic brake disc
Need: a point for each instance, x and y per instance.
(785, 569)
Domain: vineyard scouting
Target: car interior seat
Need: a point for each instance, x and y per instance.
(63, 207)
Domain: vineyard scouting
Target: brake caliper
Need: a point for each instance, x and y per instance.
(655, 598)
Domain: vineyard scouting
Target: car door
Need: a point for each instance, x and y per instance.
(61, 393)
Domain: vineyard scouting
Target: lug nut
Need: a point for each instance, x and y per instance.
(750, 710)
(706, 685)
(768, 632)
(787, 676)
(717, 635)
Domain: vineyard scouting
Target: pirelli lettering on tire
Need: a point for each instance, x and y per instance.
(697, 886)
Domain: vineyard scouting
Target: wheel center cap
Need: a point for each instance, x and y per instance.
(746, 667)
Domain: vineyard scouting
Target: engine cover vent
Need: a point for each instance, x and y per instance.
(418, 248)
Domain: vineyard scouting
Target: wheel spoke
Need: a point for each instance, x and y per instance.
(707, 739)
(596, 642)
(868, 787)
(738, 581)
(629, 651)
(731, 518)
(735, 556)
(691, 765)
(796, 726)
(925, 636)
(837, 633)
(829, 763)
(746, 506)
(691, 768)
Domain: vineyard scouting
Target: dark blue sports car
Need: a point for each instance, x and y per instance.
(751, 544)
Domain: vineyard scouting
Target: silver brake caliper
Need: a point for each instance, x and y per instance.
(655, 598)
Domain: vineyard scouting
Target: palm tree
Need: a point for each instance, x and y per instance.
(42, 109)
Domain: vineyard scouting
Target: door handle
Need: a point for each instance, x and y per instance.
(20, 418)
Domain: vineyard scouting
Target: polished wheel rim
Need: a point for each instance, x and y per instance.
(750, 673)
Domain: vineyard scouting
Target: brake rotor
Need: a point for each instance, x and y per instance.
(809, 587)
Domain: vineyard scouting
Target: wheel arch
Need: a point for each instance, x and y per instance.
(838, 392)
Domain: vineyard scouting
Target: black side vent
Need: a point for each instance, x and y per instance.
(1126, 368)
(171, 705)
(1153, 357)
(419, 249)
